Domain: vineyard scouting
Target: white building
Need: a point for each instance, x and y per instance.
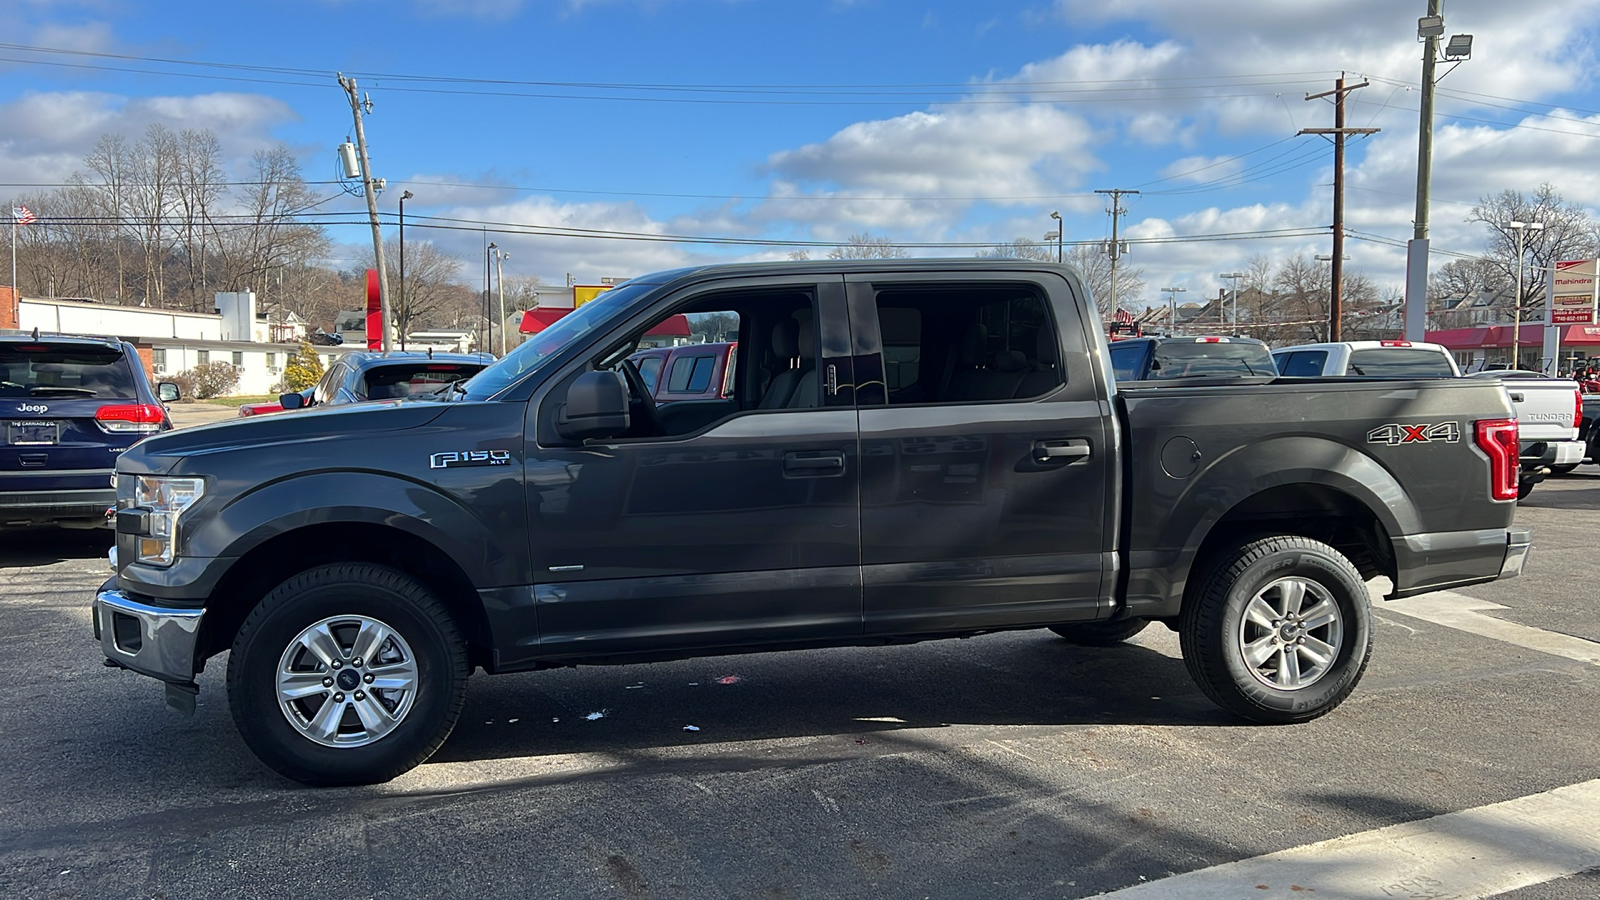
(171, 342)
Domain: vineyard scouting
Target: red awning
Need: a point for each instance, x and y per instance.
(537, 320)
(1500, 336)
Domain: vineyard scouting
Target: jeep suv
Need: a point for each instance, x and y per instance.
(68, 406)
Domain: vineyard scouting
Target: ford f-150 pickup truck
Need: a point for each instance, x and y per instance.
(913, 449)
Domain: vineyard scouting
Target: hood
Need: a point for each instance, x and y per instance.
(275, 433)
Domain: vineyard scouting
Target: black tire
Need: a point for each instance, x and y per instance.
(1213, 629)
(1524, 488)
(338, 598)
(1563, 470)
(1101, 634)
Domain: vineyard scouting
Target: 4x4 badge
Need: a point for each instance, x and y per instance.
(1449, 432)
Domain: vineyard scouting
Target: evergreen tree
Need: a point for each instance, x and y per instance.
(303, 370)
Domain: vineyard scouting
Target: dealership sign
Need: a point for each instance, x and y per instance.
(1572, 292)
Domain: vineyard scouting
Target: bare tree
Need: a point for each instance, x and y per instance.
(1021, 248)
(1568, 233)
(1095, 267)
(868, 246)
(199, 189)
(269, 233)
(431, 273)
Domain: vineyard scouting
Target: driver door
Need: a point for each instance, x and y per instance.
(736, 531)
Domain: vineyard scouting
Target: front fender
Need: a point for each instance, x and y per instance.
(482, 539)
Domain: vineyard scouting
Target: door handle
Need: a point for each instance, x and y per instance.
(813, 462)
(1074, 448)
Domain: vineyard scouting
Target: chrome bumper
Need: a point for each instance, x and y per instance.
(1518, 542)
(150, 640)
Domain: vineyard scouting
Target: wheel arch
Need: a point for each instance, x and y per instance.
(1302, 485)
(282, 556)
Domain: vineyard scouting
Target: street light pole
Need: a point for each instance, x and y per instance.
(1172, 305)
(404, 196)
(500, 290)
(1521, 228)
(1059, 233)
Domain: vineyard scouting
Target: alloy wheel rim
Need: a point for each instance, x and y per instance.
(346, 681)
(1290, 634)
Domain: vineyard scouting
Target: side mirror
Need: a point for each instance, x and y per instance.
(291, 401)
(596, 407)
(167, 392)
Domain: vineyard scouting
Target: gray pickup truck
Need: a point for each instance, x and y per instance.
(911, 449)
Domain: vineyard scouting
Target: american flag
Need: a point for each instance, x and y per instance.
(22, 215)
(1123, 316)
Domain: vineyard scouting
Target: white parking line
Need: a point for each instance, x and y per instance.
(1463, 855)
(1464, 613)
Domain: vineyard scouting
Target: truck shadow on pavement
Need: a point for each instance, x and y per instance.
(47, 546)
(1580, 490)
(1026, 678)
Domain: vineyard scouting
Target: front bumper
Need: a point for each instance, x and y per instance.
(152, 640)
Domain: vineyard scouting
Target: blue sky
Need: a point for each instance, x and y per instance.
(929, 123)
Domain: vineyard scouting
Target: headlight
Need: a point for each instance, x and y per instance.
(166, 499)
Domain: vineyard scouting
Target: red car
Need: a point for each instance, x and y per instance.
(688, 371)
(260, 409)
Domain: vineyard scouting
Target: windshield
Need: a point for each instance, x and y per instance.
(1184, 359)
(567, 330)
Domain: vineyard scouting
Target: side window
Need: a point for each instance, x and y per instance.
(650, 371)
(976, 343)
(329, 385)
(1302, 363)
(1126, 360)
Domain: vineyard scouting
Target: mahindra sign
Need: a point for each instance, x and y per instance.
(1572, 292)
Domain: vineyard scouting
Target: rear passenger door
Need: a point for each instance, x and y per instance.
(985, 457)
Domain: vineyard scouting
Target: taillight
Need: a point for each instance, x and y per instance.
(130, 418)
(1497, 438)
(1577, 408)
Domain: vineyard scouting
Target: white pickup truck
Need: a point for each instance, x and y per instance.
(1548, 409)
(1548, 412)
(1369, 359)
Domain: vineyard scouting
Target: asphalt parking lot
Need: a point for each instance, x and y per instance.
(1010, 765)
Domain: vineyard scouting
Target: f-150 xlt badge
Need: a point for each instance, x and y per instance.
(1449, 432)
(454, 458)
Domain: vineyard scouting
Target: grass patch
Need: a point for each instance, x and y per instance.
(240, 399)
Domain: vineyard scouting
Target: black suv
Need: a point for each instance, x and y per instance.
(356, 377)
(68, 406)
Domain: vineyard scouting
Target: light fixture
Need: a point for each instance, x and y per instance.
(1459, 47)
(1430, 27)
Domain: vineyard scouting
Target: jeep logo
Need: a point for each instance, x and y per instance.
(33, 408)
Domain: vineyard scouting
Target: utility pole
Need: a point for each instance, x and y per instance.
(1115, 250)
(500, 256)
(372, 186)
(1338, 131)
(1417, 248)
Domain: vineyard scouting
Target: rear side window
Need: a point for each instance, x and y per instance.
(691, 374)
(65, 370)
(973, 343)
(1400, 362)
(1302, 363)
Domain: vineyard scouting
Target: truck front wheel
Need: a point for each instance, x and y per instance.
(347, 674)
(1279, 630)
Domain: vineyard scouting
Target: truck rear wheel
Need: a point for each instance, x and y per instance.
(1101, 634)
(1279, 630)
(347, 674)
